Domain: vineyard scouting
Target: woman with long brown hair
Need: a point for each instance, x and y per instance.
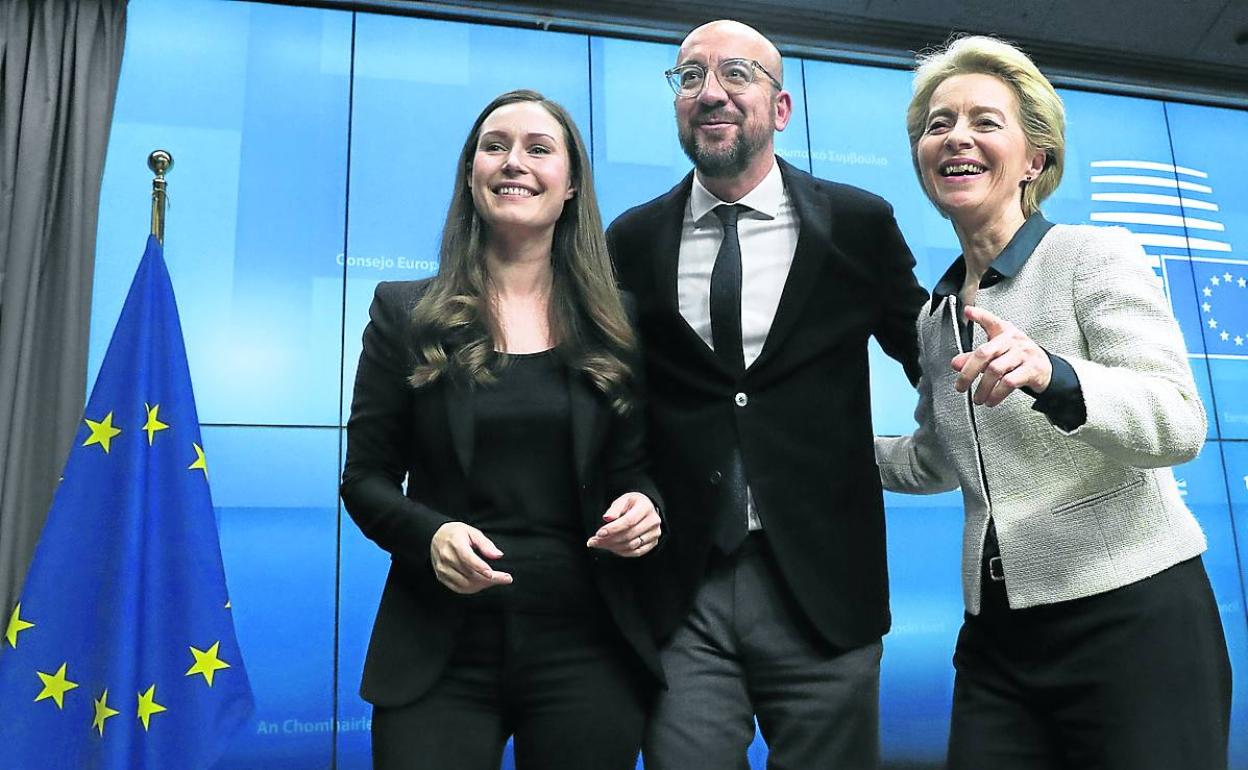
(504, 392)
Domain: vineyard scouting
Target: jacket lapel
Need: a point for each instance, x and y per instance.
(587, 410)
(671, 223)
(671, 220)
(814, 216)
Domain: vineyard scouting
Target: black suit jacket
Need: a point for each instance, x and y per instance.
(426, 436)
(805, 433)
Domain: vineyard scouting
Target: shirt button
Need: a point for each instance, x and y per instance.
(715, 477)
(741, 399)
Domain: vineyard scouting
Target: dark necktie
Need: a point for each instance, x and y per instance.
(731, 527)
(726, 293)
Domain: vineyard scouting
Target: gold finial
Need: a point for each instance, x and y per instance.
(160, 161)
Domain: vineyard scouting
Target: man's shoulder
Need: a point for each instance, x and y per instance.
(842, 197)
(642, 217)
(846, 196)
(638, 215)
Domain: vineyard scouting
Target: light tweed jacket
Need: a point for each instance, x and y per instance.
(1076, 513)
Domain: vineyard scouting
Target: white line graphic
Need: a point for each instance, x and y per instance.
(1156, 200)
(1151, 181)
(1180, 242)
(1164, 220)
(1221, 280)
(1187, 258)
(1149, 165)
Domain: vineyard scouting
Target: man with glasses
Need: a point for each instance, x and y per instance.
(757, 288)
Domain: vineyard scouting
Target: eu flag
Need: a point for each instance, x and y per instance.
(121, 650)
(1222, 291)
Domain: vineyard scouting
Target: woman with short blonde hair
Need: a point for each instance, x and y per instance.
(1041, 113)
(1056, 393)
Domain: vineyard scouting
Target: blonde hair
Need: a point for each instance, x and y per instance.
(1039, 107)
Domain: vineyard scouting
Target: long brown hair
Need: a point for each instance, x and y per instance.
(454, 327)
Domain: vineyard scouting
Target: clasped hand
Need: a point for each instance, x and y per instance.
(632, 527)
(459, 551)
(1009, 360)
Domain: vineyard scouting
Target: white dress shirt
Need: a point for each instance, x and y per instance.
(768, 236)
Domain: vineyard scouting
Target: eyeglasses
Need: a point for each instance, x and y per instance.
(734, 75)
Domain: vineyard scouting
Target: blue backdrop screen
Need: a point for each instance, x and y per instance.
(315, 155)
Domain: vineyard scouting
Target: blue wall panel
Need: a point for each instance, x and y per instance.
(1211, 142)
(276, 498)
(252, 102)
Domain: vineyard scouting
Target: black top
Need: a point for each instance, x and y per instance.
(1062, 402)
(522, 490)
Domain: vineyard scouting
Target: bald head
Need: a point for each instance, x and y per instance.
(728, 39)
(729, 132)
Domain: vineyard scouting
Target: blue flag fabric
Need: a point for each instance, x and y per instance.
(121, 652)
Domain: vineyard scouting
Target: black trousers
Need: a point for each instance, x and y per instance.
(1137, 678)
(565, 687)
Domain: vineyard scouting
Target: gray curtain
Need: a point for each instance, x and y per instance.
(59, 63)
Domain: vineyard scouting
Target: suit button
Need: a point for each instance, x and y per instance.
(741, 399)
(715, 477)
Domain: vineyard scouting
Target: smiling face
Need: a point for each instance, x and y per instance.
(727, 134)
(973, 157)
(521, 170)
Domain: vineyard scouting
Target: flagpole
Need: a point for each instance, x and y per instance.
(159, 162)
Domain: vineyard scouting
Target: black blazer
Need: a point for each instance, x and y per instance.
(426, 436)
(805, 432)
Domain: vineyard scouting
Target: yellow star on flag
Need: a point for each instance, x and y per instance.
(207, 662)
(102, 432)
(16, 625)
(55, 686)
(153, 424)
(148, 706)
(201, 462)
(102, 712)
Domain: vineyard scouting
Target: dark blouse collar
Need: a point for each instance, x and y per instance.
(1007, 264)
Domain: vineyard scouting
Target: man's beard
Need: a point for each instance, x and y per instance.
(722, 161)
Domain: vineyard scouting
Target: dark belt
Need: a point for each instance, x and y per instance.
(992, 587)
(994, 569)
